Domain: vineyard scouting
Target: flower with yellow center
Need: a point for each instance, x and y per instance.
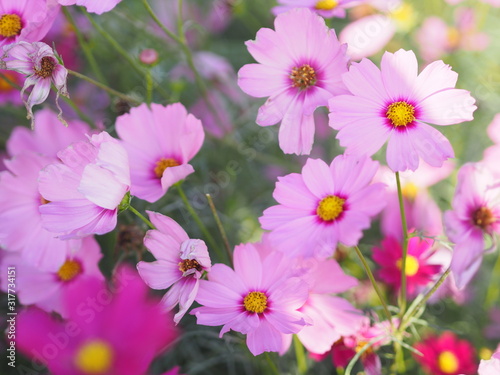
(326, 4)
(163, 164)
(94, 358)
(448, 362)
(330, 208)
(69, 270)
(410, 191)
(10, 25)
(400, 113)
(255, 302)
(411, 267)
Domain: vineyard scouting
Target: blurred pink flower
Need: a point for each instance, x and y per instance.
(160, 141)
(492, 154)
(45, 289)
(180, 263)
(325, 8)
(41, 68)
(392, 104)
(475, 214)
(491, 366)
(26, 20)
(8, 93)
(323, 205)
(420, 270)
(107, 332)
(93, 6)
(299, 69)
(257, 298)
(85, 190)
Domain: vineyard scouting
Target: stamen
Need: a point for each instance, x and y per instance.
(10, 25)
(188, 264)
(326, 4)
(303, 77)
(47, 67)
(400, 113)
(94, 358)
(483, 217)
(163, 164)
(448, 362)
(69, 270)
(330, 208)
(255, 302)
(411, 266)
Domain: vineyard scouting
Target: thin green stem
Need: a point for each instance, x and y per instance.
(300, 356)
(142, 217)
(105, 88)
(402, 296)
(159, 23)
(374, 283)
(492, 292)
(79, 112)
(149, 87)
(221, 228)
(271, 363)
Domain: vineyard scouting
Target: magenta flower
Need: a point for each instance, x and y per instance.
(324, 205)
(85, 190)
(394, 104)
(106, 332)
(26, 20)
(180, 263)
(325, 8)
(41, 67)
(257, 298)
(475, 214)
(45, 289)
(419, 268)
(299, 69)
(93, 6)
(160, 142)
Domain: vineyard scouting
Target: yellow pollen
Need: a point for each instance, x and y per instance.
(93, 358)
(43, 200)
(303, 77)
(10, 25)
(412, 265)
(360, 345)
(410, 191)
(163, 164)
(69, 270)
(401, 113)
(326, 4)
(47, 66)
(483, 218)
(188, 264)
(255, 302)
(448, 362)
(330, 208)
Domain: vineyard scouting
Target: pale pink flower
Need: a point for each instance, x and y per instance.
(393, 104)
(491, 366)
(180, 263)
(26, 20)
(93, 6)
(325, 8)
(41, 67)
(160, 141)
(324, 205)
(492, 154)
(85, 190)
(299, 68)
(475, 214)
(258, 298)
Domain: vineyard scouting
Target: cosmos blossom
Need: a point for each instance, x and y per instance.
(299, 69)
(93, 6)
(325, 8)
(324, 205)
(394, 104)
(475, 215)
(180, 263)
(491, 366)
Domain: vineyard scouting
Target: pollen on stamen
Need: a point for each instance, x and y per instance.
(330, 208)
(400, 113)
(163, 164)
(188, 264)
(255, 302)
(10, 25)
(326, 4)
(303, 77)
(47, 66)
(69, 270)
(483, 217)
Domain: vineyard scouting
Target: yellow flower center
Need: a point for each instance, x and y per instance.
(411, 266)
(410, 191)
(163, 164)
(400, 113)
(69, 270)
(483, 217)
(10, 25)
(303, 77)
(330, 208)
(188, 264)
(255, 302)
(326, 4)
(448, 362)
(47, 66)
(95, 357)
(453, 36)
(405, 16)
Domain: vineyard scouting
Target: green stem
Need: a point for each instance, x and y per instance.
(105, 88)
(159, 23)
(492, 292)
(374, 283)
(221, 228)
(300, 355)
(402, 297)
(142, 217)
(149, 87)
(271, 363)
(79, 112)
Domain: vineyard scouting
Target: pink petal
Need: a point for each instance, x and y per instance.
(160, 274)
(168, 226)
(431, 145)
(435, 77)
(296, 135)
(318, 178)
(248, 266)
(399, 73)
(265, 338)
(173, 175)
(101, 187)
(262, 81)
(364, 80)
(401, 153)
(291, 191)
(447, 107)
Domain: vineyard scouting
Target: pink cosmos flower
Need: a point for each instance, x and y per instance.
(26, 20)
(491, 366)
(93, 6)
(420, 270)
(180, 263)
(475, 214)
(323, 205)
(325, 8)
(41, 67)
(393, 104)
(160, 141)
(21, 230)
(45, 289)
(446, 355)
(257, 298)
(85, 190)
(106, 332)
(299, 69)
